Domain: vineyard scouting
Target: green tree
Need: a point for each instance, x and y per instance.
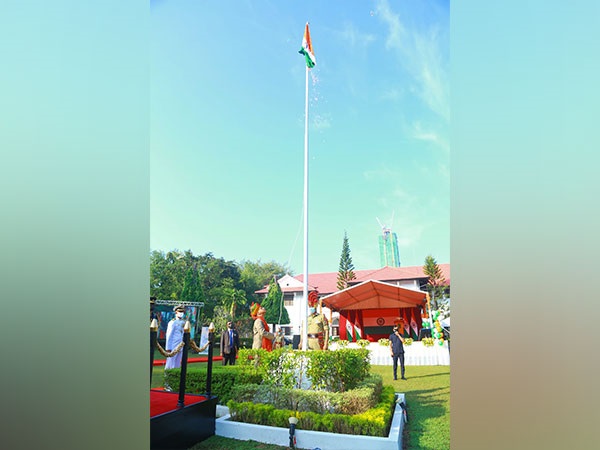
(436, 283)
(176, 275)
(213, 273)
(346, 270)
(256, 275)
(276, 313)
(167, 274)
(232, 297)
(192, 288)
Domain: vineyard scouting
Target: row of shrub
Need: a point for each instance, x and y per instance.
(343, 343)
(355, 401)
(223, 379)
(334, 371)
(373, 422)
(339, 370)
(386, 342)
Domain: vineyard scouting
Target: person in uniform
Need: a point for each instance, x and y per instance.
(317, 327)
(278, 342)
(262, 337)
(175, 337)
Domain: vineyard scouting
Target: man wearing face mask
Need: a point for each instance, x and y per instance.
(175, 337)
(230, 343)
(397, 352)
(317, 327)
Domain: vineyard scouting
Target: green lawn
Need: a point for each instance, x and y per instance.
(158, 371)
(428, 407)
(221, 443)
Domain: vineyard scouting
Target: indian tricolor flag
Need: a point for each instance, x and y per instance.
(345, 321)
(357, 335)
(413, 323)
(307, 49)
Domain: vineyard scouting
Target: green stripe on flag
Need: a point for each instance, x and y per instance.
(309, 61)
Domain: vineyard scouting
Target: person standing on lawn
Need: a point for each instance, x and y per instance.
(175, 337)
(278, 342)
(397, 352)
(262, 337)
(317, 326)
(230, 343)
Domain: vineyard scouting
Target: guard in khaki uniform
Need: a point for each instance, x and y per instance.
(317, 328)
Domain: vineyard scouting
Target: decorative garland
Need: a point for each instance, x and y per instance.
(172, 352)
(196, 348)
(179, 348)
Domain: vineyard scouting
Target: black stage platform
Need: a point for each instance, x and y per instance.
(180, 428)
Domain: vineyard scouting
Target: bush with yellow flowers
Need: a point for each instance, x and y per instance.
(384, 342)
(363, 343)
(428, 342)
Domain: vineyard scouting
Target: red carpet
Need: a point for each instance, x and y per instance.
(161, 362)
(162, 401)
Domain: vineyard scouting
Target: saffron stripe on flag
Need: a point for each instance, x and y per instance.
(307, 49)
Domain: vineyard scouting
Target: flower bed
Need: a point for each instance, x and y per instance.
(371, 422)
(307, 439)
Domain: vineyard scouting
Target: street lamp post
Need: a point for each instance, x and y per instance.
(293, 421)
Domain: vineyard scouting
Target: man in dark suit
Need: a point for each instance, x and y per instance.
(397, 352)
(230, 344)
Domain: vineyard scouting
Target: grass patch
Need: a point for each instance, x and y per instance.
(221, 443)
(158, 372)
(428, 405)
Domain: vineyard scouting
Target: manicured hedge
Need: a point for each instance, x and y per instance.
(224, 378)
(354, 401)
(338, 370)
(373, 422)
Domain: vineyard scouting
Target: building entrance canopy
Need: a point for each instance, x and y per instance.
(373, 294)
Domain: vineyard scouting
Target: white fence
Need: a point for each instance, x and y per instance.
(415, 354)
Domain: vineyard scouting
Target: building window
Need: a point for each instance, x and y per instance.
(288, 300)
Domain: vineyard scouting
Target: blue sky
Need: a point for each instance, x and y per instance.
(227, 129)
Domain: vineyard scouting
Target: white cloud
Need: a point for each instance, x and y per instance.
(421, 54)
(354, 37)
(436, 138)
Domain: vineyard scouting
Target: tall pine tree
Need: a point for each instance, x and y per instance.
(436, 284)
(346, 270)
(192, 292)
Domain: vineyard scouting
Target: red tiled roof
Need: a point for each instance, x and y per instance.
(326, 283)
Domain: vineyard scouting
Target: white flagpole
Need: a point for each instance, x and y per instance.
(304, 306)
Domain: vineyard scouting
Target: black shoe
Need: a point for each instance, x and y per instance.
(403, 378)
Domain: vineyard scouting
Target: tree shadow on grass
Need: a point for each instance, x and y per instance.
(422, 406)
(431, 375)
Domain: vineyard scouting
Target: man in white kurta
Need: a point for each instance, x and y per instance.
(175, 337)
